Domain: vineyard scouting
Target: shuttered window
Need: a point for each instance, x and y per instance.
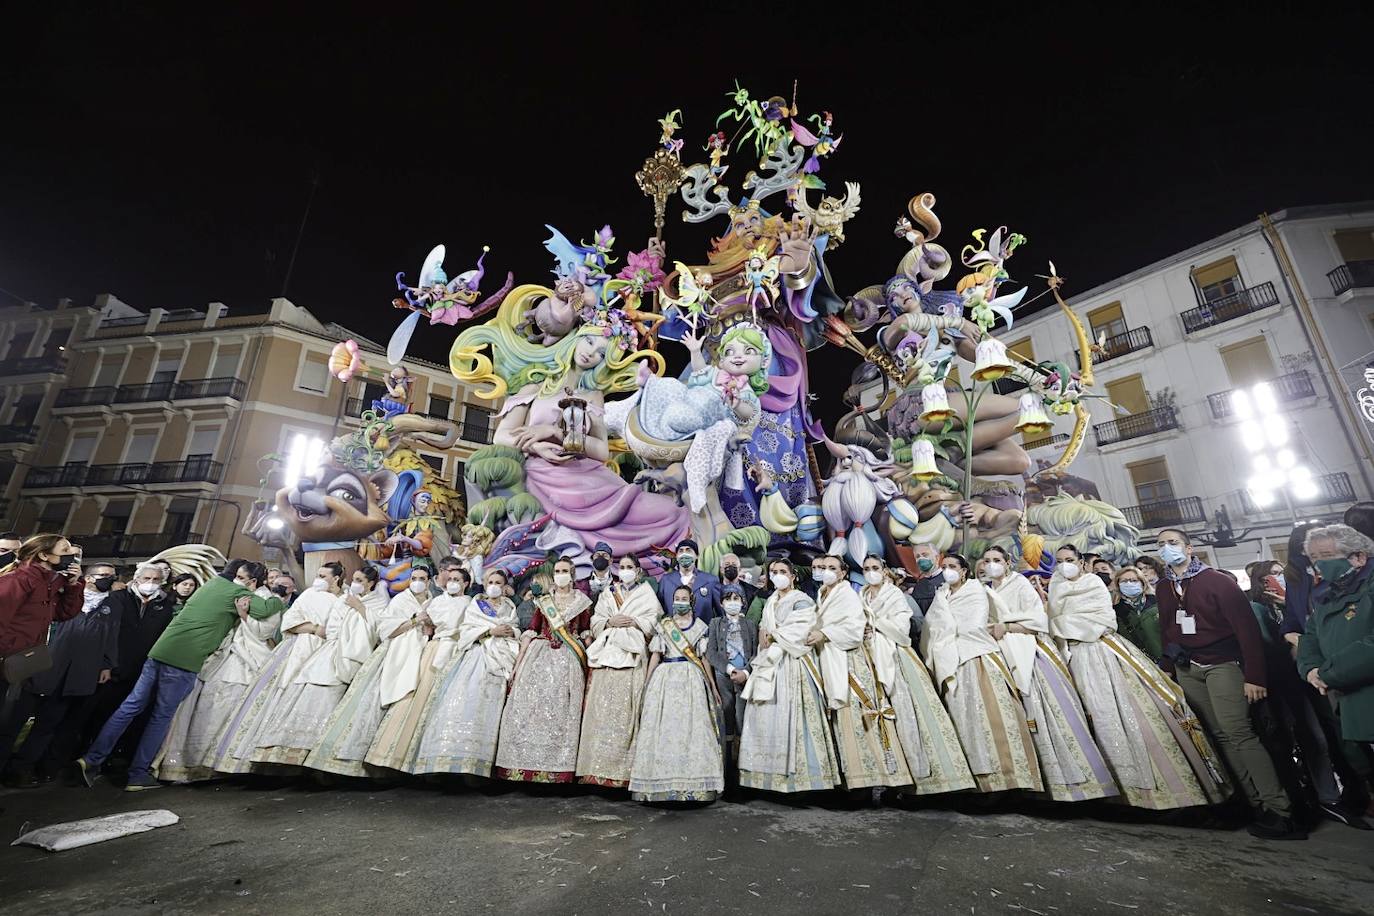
(1151, 480)
(1217, 279)
(1356, 244)
(1107, 321)
(1248, 362)
(1130, 394)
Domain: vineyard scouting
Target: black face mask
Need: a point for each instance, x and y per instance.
(1106, 578)
(730, 572)
(103, 583)
(281, 591)
(600, 564)
(59, 564)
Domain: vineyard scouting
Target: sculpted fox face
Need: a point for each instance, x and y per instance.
(341, 505)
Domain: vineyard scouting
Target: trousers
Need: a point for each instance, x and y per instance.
(161, 687)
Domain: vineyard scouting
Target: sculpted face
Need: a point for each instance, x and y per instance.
(589, 352)
(740, 358)
(341, 506)
(904, 298)
(748, 225)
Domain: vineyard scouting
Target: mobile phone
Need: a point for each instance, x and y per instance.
(1271, 584)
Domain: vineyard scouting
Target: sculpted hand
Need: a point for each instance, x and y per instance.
(795, 250)
(549, 452)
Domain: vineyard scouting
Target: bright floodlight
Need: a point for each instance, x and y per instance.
(1264, 398)
(1286, 458)
(1252, 435)
(1300, 472)
(303, 457)
(275, 523)
(1262, 462)
(1262, 498)
(1277, 434)
(1240, 403)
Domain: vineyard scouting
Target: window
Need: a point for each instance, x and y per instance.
(1356, 244)
(107, 376)
(1129, 394)
(226, 363)
(1107, 321)
(439, 407)
(1151, 481)
(372, 391)
(19, 345)
(181, 514)
(168, 365)
(1279, 551)
(57, 341)
(141, 447)
(1011, 384)
(1217, 280)
(460, 471)
(313, 375)
(1248, 362)
(26, 409)
(115, 518)
(53, 518)
(477, 424)
(81, 448)
(204, 440)
(434, 461)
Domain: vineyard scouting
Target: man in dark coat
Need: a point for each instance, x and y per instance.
(732, 640)
(84, 651)
(705, 587)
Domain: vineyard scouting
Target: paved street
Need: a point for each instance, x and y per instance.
(406, 850)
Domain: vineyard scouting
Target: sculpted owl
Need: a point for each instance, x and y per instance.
(830, 216)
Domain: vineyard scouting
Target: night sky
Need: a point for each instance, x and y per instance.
(168, 158)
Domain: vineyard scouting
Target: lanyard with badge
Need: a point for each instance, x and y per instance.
(1186, 623)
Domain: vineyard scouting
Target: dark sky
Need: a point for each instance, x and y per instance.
(167, 157)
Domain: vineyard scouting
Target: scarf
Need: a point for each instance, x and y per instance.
(1195, 566)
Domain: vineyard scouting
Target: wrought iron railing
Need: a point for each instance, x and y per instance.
(1351, 275)
(1331, 489)
(473, 432)
(131, 546)
(103, 396)
(18, 433)
(1129, 342)
(30, 365)
(1184, 511)
(1286, 387)
(192, 470)
(1136, 425)
(1227, 308)
(1056, 439)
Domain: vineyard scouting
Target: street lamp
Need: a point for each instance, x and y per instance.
(1274, 467)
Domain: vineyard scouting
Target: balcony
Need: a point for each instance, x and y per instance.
(1290, 387)
(1351, 275)
(193, 470)
(1056, 439)
(473, 432)
(18, 434)
(1227, 308)
(1129, 342)
(1133, 427)
(131, 546)
(1332, 489)
(32, 365)
(1164, 512)
(104, 396)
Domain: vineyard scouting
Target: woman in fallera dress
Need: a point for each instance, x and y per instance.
(979, 690)
(677, 753)
(624, 619)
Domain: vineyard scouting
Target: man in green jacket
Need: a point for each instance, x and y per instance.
(1336, 652)
(169, 674)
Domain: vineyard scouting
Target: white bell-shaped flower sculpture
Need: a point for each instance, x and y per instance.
(1033, 421)
(991, 361)
(935, 403)
(923, 460)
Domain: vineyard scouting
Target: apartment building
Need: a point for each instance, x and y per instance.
(132, 430)
(1185, 342)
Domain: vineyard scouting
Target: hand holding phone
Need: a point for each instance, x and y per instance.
(1273, 586)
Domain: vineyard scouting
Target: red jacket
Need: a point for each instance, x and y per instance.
(31, 598)
(1226, 627)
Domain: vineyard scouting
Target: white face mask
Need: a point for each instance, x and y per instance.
(319, 584)
(493, 590)
(873, 576)
(627, 575)
(817, 576)
(733, 608)
(828, 576)
(357, 588)
(780, 580)
(418, 587)
(995, 570)
(562, 580)
(1070, 570)
(453, 587)
(148, 589)
(951, 576)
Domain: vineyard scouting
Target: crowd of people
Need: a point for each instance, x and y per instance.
(1161, 685)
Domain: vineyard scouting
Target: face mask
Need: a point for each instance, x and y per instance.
(103, 583)
(730, 572)
(925, 564)
(686, 560)
(453, 587)
(600, 563)
(1070, 570)
(873, 576)
(493, 590)
(418, 587)
(627, 575)
(148, 589)
(828, 576)
(817, 576)
(1283, 584)
(281, 591)
(996, 570)
(1172, 555)
(681, 607)
(319, 584)
(1105, 577)
(1331, 570)
(356, 588)
(1132, 589)
(780, 580)
(59, 564)
(733, 608)
(562, 580)
(951, 576)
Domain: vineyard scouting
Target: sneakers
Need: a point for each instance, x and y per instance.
(89, 772)
(1343, 815)
(1270, 826)
(142, 783)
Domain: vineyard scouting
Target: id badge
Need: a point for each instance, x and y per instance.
(1180, 615)
(1188, 625)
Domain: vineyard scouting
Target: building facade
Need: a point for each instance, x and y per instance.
(133, 431)
(1287, 300)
